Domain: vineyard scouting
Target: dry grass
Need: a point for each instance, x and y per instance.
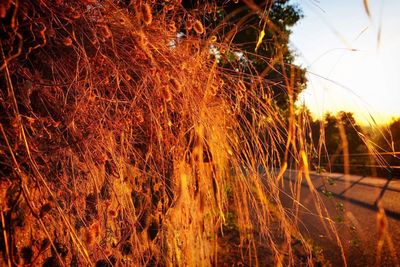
(123, 144)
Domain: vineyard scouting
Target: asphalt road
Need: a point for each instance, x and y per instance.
(352, 202)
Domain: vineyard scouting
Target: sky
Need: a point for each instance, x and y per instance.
(349, 66)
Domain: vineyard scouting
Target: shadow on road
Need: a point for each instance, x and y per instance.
(373, 207)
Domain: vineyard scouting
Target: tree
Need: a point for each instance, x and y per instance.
(390, 142)
(336, 135)
(332, 139)
(393, 142)
(352, 131)
(240, 24)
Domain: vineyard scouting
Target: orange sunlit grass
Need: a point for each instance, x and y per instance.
(125, 141)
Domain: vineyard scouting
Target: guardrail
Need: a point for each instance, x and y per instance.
(386, 162)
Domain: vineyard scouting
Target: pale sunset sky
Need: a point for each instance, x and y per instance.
(350, 67)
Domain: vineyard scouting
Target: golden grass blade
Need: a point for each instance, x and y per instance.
(260, 39)
(366, 7)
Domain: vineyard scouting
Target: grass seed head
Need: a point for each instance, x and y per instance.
(213, 39)
(67, 41)
(146, 14)
(169, 7)
(198, 27)
(75, 14)
(166, 94)
(105, 31)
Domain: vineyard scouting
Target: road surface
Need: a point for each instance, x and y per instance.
(352, 202)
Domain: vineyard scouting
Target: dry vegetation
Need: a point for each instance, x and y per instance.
(122, 144)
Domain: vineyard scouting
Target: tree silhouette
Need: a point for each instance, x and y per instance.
(240, 24)
(394, 130)
(333, 145)
(390, 142)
